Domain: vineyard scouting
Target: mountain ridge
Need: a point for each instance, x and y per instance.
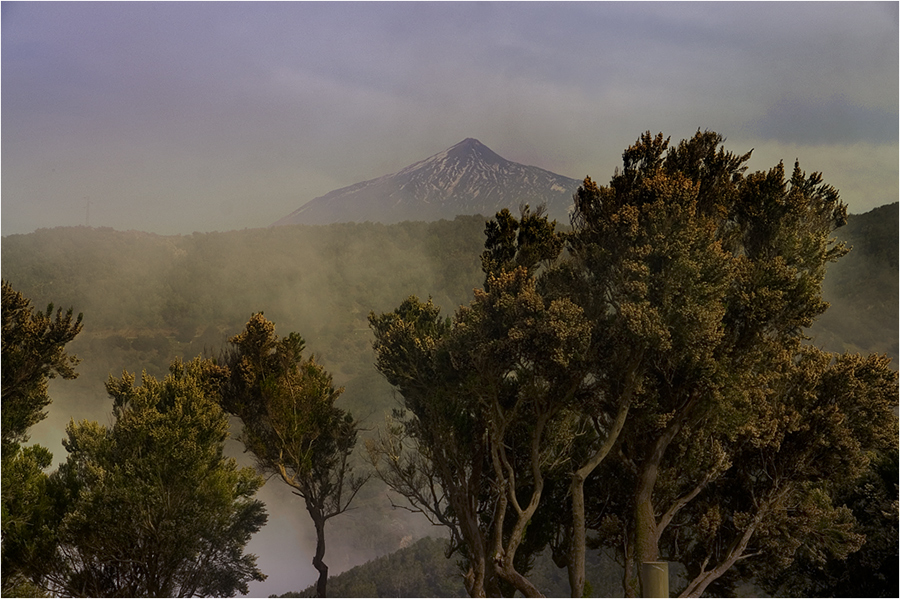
(467, 178)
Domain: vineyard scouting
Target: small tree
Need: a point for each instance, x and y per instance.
(151, 505)
(291, 425)
(33, 352)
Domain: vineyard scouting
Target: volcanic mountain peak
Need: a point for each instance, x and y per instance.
(469, 149)
(467, 153)
(468, 178)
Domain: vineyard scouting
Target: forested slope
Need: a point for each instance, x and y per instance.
(862, 288)
(147, 298)
(421, 570)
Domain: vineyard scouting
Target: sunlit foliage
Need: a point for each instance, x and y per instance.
(691, 283)
(33, 352)
(151, 505)
(291, 425)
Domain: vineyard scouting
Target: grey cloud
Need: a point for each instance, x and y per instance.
(829, 120)
(154, 106)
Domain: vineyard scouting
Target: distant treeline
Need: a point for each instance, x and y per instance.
(862, 288)
(147, 298)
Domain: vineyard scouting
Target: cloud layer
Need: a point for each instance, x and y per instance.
(176, 117)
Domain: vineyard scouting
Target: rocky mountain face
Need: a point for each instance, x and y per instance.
(468, 178)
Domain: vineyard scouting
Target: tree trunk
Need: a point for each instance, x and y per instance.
(576, 488)
(522, 584)
(504, 553)
(646, 534)
(630, 584)
(646, 529)
(578, 549)
(475, 578)
(317, 562)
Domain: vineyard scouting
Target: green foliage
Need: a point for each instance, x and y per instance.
(151, 505)
(28, 520)
(688, 286)
(33, 353)
(869, 572)
(291, 425)
(780, 498)
(482, 396)
(704, 277)
(286, 404)
(527, 242)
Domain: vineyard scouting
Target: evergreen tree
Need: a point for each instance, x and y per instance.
(703, 278)
(488, 400)
(291, 425)
(151, 507)
(33, 352)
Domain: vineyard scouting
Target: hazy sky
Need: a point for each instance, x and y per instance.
(182, 117)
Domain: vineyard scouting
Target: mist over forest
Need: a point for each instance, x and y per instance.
(148, 298)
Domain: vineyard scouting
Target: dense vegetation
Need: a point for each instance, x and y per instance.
(663, 355)
(148, 299)
(148, 506)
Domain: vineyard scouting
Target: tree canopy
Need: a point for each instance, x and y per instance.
(484, 398)
(291, 425)
(151, 505)
(686, 287)
(33, 352)
(710, 275)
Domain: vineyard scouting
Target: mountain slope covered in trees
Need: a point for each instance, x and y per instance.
(862, 287)
(422, 570)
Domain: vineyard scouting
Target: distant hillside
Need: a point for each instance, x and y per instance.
(862, 288)
(422, 570)
(147, 298)
(468, 178)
